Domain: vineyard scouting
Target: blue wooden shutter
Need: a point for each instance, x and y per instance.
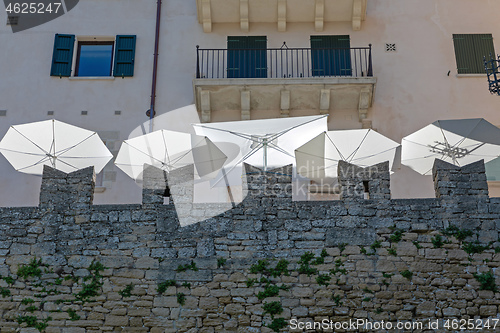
(62, 56)
(246, 57)
(234, 53)
(331, 55)
(124, 56)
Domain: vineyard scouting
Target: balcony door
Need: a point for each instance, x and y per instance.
(331, 55)
(246, 57)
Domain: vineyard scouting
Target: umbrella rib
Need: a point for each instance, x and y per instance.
(170, 162)
(298, 125)
(211, 159)
(22, 152)
(24, 136)
(420, 157)
(247, 136)
(422, 145)
(467, 136)
(183, 155)
(351, 156)
(83, 157)
(243, 135)
(260, 145)
(166, 156)
(175, 160)
(250, 153)
(416, 143)
(309, 154)
(53, 145)
(140, 151)
(65, 150)
(32, 165)
(187, 152)
(375, 154)
(443, 156)
(335, 146)
(448, 146)
(479, 146)
(484, 155)
(70, 165)
(281, 150)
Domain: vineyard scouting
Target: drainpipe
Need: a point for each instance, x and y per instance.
(152, 111)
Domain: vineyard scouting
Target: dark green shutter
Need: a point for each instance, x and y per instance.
(331, 55)
(246, 57)
(62, 56)
(124, 56)
(470, 50)
(483, 44)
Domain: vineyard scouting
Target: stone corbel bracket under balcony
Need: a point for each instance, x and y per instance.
(247, 12)
(224, 99)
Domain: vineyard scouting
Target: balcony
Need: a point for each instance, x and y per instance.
(281, 12)
(279, 82)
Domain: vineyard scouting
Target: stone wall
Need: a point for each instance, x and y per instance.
(415, 260)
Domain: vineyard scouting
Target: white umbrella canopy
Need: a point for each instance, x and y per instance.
(318, 159)
(457, 141)
(28, 147)
(266, 143)
(169, 150)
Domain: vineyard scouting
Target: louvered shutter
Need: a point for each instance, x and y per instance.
(470, 50)
(246, 57)
(124, 55)
(62, 56)
(331, 55)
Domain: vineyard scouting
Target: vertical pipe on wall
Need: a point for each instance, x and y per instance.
(155, 66)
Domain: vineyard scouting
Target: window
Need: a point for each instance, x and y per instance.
(12, 20)
(470, 50)
(331, 55)
(102, 58)
(94, 59)
(246, 57)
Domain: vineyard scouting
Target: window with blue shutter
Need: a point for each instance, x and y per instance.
(62, 56)
(470, 50)
(95, 57)
(124, 56)
(331, 55)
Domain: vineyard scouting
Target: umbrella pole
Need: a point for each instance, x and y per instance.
(264, 146)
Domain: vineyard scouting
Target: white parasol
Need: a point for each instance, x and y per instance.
(318, 158)
(28, 147)
(169, 150)
(266, 143)
(457, 141)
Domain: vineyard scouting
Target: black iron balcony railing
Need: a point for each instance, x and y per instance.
(283, 62)
(492, 68)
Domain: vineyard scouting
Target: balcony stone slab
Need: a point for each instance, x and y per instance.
(249, 12)
(256, 97)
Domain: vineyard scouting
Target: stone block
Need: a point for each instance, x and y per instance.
(426, 309)
(234, 309)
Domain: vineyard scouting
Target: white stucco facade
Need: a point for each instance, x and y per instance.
(415, 86)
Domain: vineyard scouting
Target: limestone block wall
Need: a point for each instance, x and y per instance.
(70, 266)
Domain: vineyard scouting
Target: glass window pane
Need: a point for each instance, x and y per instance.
(95, 60)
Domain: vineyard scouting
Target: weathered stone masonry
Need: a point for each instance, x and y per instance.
(143, 245)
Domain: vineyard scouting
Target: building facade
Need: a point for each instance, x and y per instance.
(394, 66)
